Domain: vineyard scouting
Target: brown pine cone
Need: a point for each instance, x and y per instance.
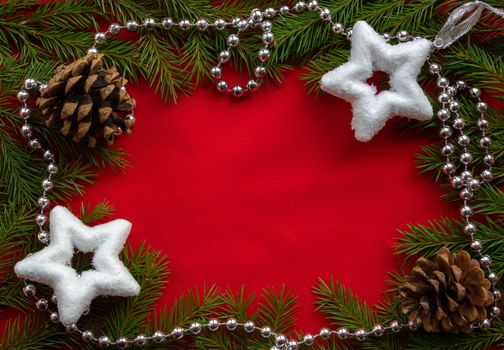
(446, 294)
(87, 101)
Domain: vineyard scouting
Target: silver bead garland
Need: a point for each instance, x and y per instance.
(465, 180)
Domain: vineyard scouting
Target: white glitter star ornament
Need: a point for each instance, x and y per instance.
(402, 62)
(75, 291)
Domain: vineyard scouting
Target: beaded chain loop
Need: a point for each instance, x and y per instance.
(464, 180)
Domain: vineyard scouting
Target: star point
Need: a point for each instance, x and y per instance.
(75, 291)
(402, 62)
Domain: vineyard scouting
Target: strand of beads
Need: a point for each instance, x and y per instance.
(465, 180)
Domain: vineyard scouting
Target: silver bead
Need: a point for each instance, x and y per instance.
(493, 278)
(466, 211)
(30, 84)
(47, 185)
(466, 158)
(233, 40)
(412, 325)
(92, 51)
(104, 341)
(220, 24)
(235, 21)
(442, 82)
(308, 339)
(443, 114)
(403, 36)
(260, 72)
(300, 6)
(167, 23)
(231, 324)
(24, 112)
(42, 304)
(256, 15)
(361, 334)
(266, 332)
(292, 345)
(378, 330)
(485, 142)
(458, 123)
(266, 26)
(456, 182)
(43, 237)
(466, 175)
(449, 168)
(35, 144)
(140, 340)
(26, 131)
(52, 168)
(54, 317)
(489, 159)
(476, 246)
(48, 155)
(222, 86)
(445, 132)
(202, 24)
(280, 340)
(29, 290)
(343, 333)
(249, 326)
(325, 333)
(497, 295)
(184, 24)
(132, 26)
(87, 336)
(284, 9)
(454, 106)
(481, 106)
(100, 38)
(42, 87)
(325, 14)
(178, 333)
(486, 175)
(270, 12)
(486, 261)
(451, 90)
(244, 24)
(264, 55)
(224, 56)
(195, 328)
(43, 202)
(434, 68)
(463, 140)
(72, 328)
(268, 37)
(386, 36)
(216, 72)
(337, 28)
(122, 343)
(495, 311)
(23, 96)
(482, 124)
(461, 85)
(474, 184)
(313, 5)
(114, 28)
(237, 91)
(158, 337)
(252, 85)
(486, 324)
(474, 92)
(444, 97)
(466, 194)
(54, 299)
(213, 325)
(447, 150)
(41, 219)
(395, 326)
(149, 23)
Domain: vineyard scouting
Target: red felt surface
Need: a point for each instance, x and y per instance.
(269, 189)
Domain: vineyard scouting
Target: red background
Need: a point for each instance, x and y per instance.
(269, 189)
